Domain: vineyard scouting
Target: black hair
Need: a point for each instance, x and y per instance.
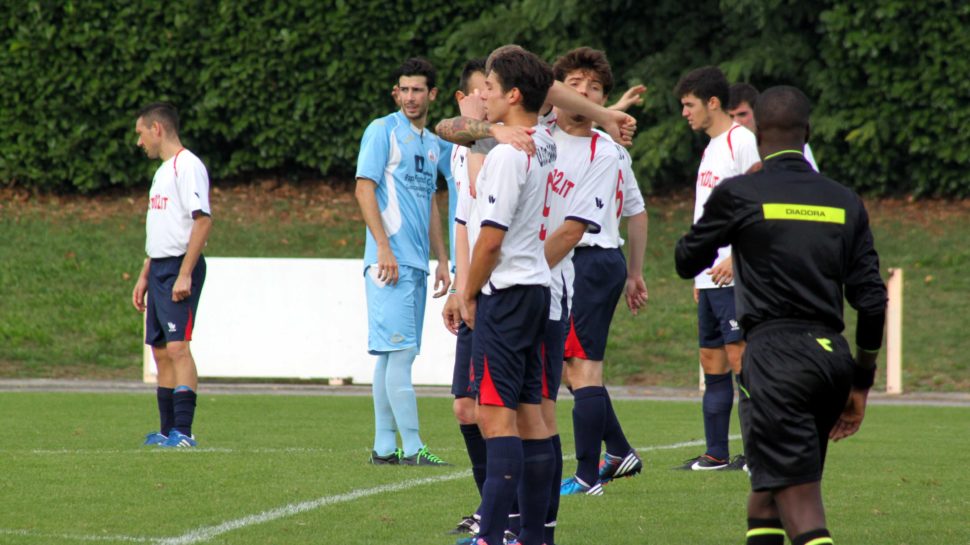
(417, 66)
(524, 70)
(585, 58)
(784, 110)
(704, 83)
(472, 66)
(742, 92)
(162, 112)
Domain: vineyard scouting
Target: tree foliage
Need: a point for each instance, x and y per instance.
(288, 87)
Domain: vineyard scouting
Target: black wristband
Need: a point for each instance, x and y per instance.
(862, 378)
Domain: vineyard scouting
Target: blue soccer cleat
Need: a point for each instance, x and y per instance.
(177, 439)
(574, 486)
(154, 438)
(615, 467)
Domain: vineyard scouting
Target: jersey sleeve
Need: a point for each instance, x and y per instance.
(631, 195)
(193, 185)
(864, 288)
(375, 147)
(745, 150)
(697, 250)
(507, 170)
(592, 194)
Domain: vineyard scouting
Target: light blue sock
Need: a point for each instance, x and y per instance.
(385, 429)
(400, 391)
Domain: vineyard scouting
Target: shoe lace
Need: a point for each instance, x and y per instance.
(426, 454)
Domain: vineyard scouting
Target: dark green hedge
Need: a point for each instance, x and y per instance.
(287, 88)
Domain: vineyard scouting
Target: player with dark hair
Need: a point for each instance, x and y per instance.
(396, 175)
(744, 97)
(732, 151)
(507, 288)
(802, 245)
(178, 225)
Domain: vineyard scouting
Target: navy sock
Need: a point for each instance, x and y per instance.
(589, 417)
(717, 404)
(515, 517)
(765, 532)
(553, 512)
(616, 443)
(184, 401)
(166, 409)
(820, 536)
(475, 445)
(534, 489)
(501, 482)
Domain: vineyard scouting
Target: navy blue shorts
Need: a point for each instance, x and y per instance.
(553, 348)
(717, 323)
(599, 283)
(506, 347)
(463, 381)
(167, 321)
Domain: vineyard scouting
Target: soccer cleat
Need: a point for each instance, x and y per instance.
(510, 539)
(423, 458)
(573, 486)
(177, 439)
(154, 438)
(739, 463)
(391, 459)
(615, 467)
(703, 463)
(468, 525)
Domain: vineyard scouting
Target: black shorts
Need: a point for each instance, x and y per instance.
(167, 321)
(600, 279)
(464, 383)
(717, 320)
(795, 380)
(506, 347)
(553, 346)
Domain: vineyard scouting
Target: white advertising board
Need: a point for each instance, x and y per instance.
(298, 319)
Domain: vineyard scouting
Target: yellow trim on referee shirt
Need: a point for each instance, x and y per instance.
(803, 212)
(765, 532)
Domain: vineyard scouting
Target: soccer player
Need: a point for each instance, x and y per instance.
(801, 243)
(465, 232)
(506, 290)
(732, 151)
(589, 161)
(178, 225)
(743, 97)
(396, 175)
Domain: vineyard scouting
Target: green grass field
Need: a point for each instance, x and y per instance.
(293, 470)
(67, 267)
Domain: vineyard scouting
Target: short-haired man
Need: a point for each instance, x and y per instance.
(178, 225)
(396, 179)
(743, 98)
(801, 244)
(506, 289)
(732, 151)
(588, 165)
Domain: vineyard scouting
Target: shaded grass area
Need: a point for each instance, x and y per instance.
(67, 268)
(82, 477)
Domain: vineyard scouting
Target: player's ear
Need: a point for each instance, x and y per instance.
(514, 96)
(459, 95)
(433, 94)
(713, 103)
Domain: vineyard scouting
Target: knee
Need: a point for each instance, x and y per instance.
(464, 409)
(178, 352)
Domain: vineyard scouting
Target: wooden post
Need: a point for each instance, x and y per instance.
(700, 379)
(894, 333)
(147, 361)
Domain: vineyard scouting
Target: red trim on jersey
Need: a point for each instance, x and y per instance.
(592, 146)
(545, 373)
(731, 147)
(188, 328)
(528, 163)
(176, 160)
(574, 349)
(487, 394)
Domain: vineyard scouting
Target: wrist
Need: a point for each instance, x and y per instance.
(863, 377)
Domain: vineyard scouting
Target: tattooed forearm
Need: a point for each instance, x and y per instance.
(463, 130)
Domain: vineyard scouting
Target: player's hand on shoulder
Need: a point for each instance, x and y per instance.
(519, 138)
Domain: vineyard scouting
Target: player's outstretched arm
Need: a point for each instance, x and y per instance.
(636, 286)
(387, 270)
(620, 126)
(141, 287)
(631, 97)
(201, 226)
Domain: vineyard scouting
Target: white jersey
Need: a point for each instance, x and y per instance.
(581, 188)
(807, 151)
(466, 211)
(510, 190)
(179, 188)
(628, 198)
(729, 154)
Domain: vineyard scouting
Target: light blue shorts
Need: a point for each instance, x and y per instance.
(395, 313)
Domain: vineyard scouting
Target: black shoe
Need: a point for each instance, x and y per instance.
(391, 459)
(739, 463)
(703, 463)
(423, 458)
(468, 525)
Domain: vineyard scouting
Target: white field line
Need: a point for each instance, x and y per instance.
(206, 533)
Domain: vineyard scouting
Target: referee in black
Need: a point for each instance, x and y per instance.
(800, 242)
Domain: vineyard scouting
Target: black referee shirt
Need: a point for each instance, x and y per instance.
(797, 239)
